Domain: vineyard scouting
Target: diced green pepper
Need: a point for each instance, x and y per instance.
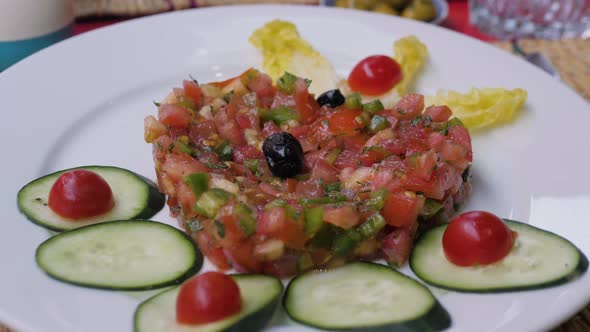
(332, 187)
(323, 200)
(276, 203)
(247, 222)
(430, 208)
(183, 148)
(353, 101)
(345, 243)
(332, 155)
(455, 122)
(373, 107)
(364, 119)
(313, 220)
(253, 165)
(372, 226)
(286, 83)
(198, 182)
(211, 201)
(378, 123)
(280, 115)
(324, 238)
(224, 151)
(377, 200)
(220, 228)
(227, 96)
(304, 262)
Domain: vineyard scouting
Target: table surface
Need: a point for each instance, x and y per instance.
(567, 56)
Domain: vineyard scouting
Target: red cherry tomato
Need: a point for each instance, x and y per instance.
(375, 75)
(80, 194)
(477, 237)
(207, 298)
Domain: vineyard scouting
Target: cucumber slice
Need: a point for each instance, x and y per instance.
(539, 259)
(260, 296)
(363, 296)
(123, 255)
(135, 198)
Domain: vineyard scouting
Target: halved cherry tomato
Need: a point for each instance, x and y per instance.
(375, 75)
(80, 194)
(207, 298)
(477, 237)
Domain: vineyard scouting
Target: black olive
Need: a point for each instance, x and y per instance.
(283, 154)
(332, 98)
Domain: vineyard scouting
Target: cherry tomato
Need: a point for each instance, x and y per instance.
(375, 75)
(207, 298)
(477, 237)
(80, 194)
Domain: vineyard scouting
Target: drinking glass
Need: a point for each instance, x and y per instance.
(546, 19)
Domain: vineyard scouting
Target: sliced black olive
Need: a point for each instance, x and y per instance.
(332, 98)
(283, 154)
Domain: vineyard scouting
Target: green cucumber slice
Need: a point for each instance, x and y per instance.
(122, 255)
(135, 198)
(539, 259)
(363, 296)
(260, 296)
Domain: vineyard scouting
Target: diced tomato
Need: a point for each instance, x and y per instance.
(396, 246)
(310, 188)
(460, 135)
(177, 166)
(228, 231)
(342, 216)
(320, 130)
(243, 152)
(275, 223)
(345, 159)
(345, 121)
(304, 102)
(202, 131)
(261, 84)
(242, 257)
(401, 209)
(269, 128)
(436, 140)
(193, 91)
(285, 267)
(213, 252)
(174, 115)
(153, 129)
(186, 197)
(324, 171)
(425, 165)
(354, 143)
(372, 156)
(440, 113)
(228, 128)
(409, 106)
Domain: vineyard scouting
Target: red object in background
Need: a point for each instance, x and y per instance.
(457, 20)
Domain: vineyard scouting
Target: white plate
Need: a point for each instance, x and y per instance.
(83, 102)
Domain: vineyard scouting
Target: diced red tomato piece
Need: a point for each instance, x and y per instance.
(193, 91)
(342, 216)
(228, 128)
(243, 152)
(213, 252)
(372, 156)
(324, 171)
(275, 223)
(310, 188)
(177, 166)
(345, 121)
(174, 115)
(409, 106)
(440, 113)
(306, 106)
(460, 135)
(396, 246)
(242, 257)
(401, 209)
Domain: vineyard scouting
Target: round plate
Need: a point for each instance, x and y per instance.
(83, 102)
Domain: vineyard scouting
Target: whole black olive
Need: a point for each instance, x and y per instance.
(332, 98)
(283, 154)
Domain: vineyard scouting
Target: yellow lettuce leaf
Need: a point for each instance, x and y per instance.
(482, 108)
(283, 49)
(411, 55)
